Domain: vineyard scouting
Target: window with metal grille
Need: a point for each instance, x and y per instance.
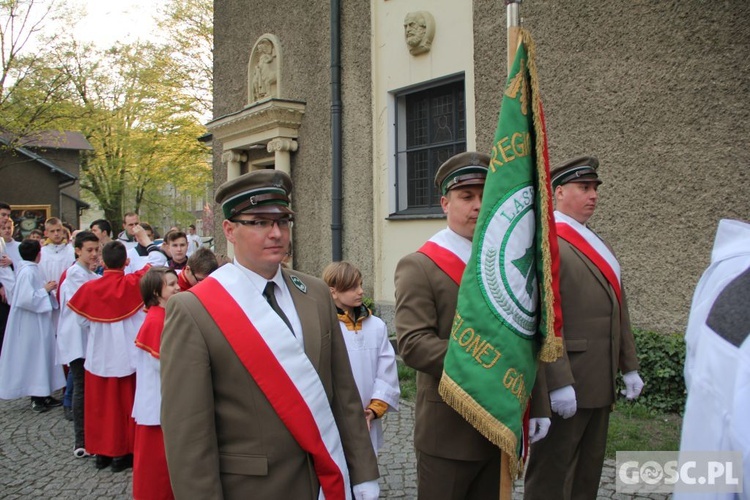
(430, 128)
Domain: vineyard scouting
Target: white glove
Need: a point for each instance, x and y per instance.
(369, 490)
(633, 385)
(563, 401)
(538, 429)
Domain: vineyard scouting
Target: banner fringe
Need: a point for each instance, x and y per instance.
(483, 421)
(551, 345)
(551, 350)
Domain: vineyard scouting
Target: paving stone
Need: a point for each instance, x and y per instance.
(37, 462)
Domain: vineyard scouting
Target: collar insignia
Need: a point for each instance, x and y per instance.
(298, 283)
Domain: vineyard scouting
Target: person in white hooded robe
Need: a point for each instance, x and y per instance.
(27, 362)
(717, 364)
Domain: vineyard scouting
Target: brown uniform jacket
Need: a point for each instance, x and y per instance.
(596, 332)
(222, 437)
(425, 305)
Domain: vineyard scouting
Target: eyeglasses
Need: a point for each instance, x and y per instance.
(266, 224)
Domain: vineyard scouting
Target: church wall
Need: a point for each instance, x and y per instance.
(659, 91)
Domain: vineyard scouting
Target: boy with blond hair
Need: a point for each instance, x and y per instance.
(370, 351)
(57, 255)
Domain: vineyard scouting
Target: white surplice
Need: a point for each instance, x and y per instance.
(55, 260)
(71, 339)
(374, 368)
(7, 274)
(27, 363)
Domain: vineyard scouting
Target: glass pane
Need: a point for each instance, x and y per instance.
(416, 122)
(442, 118)
(418, 179)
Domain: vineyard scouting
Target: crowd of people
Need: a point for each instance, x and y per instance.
(267, 381)
(85, 312)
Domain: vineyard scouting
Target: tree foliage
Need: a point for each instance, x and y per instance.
(29, 86)
(189, 28)
(138, 104)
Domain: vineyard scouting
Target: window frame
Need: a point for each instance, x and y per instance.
(400, 206)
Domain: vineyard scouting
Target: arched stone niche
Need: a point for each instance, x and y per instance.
(264, 69)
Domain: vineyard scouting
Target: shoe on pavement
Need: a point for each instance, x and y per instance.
(39, 406)
(80, 452)
(51, 402)
(102, 461)
(119, 464)
(68, 413)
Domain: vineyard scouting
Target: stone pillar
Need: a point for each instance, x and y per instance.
(282, 147)
(233, 158)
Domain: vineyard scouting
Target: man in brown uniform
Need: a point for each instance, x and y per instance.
(598, 342)
(258, 397)
(454, 461)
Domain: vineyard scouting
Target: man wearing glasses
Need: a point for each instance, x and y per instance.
(258, 395)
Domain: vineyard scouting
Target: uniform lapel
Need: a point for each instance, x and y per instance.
(597, 273)
(307, 310)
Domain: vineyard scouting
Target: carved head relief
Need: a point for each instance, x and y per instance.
(263, 69)
(419, 30)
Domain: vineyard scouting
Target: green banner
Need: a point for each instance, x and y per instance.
(505, 319)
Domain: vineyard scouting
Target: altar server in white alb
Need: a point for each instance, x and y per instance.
(57, 254)
(27, 363)
(717, 364)
(110, 313)
(150, 473)
(370, 351)
(71, 339)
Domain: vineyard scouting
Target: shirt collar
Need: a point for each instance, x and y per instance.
(259, 281)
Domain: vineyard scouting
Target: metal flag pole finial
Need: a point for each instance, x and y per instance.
(512, 8)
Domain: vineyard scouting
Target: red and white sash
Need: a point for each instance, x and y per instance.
(589, 244)
(282, 370)
(450, 252)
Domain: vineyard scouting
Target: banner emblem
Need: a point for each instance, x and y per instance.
(507, 264)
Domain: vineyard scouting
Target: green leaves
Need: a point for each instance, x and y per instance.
(137, 104)
(662, 359)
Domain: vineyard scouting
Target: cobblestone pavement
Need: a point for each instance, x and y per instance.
(36, 460)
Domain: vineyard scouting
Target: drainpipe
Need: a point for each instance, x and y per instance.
(337, 197)
(60, 187)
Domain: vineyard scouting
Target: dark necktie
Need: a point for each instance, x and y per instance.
(271, 298)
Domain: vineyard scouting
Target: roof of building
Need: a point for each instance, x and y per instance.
(55, 168)
(56, 139)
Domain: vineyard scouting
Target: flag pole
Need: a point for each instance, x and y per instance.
(512, 8)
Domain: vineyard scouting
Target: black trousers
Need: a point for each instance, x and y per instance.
(76, 369)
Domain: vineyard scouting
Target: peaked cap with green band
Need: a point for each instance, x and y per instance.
(468, 168)
(581, 169)
(258, 192)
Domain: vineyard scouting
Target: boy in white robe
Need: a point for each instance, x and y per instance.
(71, 339)
(371, 354)
(27, 362)
(7, 275)
(56, 256)
(110, 312)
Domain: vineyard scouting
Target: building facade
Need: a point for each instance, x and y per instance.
(39, 178)
(657, 90)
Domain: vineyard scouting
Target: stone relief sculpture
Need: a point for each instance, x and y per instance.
(263, 69)
(419, 30)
